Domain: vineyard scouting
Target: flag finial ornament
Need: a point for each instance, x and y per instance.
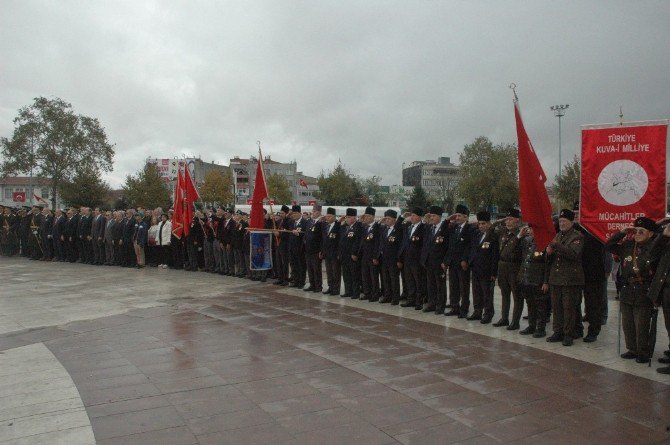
(512, 86)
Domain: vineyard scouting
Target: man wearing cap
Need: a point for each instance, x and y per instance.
(659, 290)
(370, 255)
(59, 235)
(531, 278)
(350, 246)
(330, 232)
(46, 234)
(314, 227)
(457, 261)
(638, 266)
(24, 231)
(508, 269)
(297, 247)
(483, 262)
(34, 240)
(238, 244)
(389, 248)
(564, 277)
(410, 259)
(437, 242)
(285, 223)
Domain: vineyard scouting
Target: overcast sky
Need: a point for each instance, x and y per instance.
(373, 83)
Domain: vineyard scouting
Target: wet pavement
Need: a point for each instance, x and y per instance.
(187, 358)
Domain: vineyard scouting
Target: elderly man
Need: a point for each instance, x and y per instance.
(456, 260)
(437, 242)
(313, 239)
(329, 251)
(410, 259)
(350, 244)
(508, 269)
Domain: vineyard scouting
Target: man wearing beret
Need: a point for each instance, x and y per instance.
(437, 242)
(456, 260)
(508, 269)
(330, 237)
(410, 258)
(350, 246)
(389, 248)
(297, 247)
(659, 290)
(283, 249)
(638, 266)
(564, 277)
(484, 265)
(314, 226)
(370, 255)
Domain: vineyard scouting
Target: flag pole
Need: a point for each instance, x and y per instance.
(260, 159)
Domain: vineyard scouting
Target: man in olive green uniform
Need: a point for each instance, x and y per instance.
(508, 269)
(531, 278)
(565, 277)
(659, 291)
(637, 271)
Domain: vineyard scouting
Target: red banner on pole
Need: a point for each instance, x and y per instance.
(19, 196)
(623, 176)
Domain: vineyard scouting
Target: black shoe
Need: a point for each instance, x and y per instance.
(667, 353)
(513, 327)
(486, 320)
(579, 334)
(374, 299)
(475, 316)
(628, 355)
(345, 295)
(278, 282)
(355, 297)
(308, 289)
(326, 292)
(364, 298)
(463, 315)
(334, 292)
(529, 330)
(664, 360)
(540, 333)
(555, 338)
(642, 360)
(567, 341)
(316, 290)
(501, 322)
(395, 303)
(408, 304)
(451, 312)
(418, 307)
(590, 338)
(428, 308)
(664, 370)
(385, 300)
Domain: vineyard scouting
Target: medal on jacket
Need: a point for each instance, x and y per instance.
(486, 245)
(350, 235)
(636, 268)
(391, 239)
(370, 236)
(332, 235)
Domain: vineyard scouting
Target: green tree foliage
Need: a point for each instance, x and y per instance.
(372, 189)
(54, 142)
(339, 187)
(146, 189)
(279, 189)
(217, 188)
(419, 198)
(568, 184)
(489, 174)
(85, 189)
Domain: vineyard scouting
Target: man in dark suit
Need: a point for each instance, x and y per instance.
(389, 248)
(130, 259)
(483, 262)
(313, 238)
(456, 260)
(283, 246)
(370, 256)
(437, 242)
(46, 234)
(117, 237)
(330, 237)
(71, 238)
(59, 235)
(296, 247)
(98, 237)
(411, 251)
(350, 246)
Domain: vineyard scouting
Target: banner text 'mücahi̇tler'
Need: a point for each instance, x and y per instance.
(623, 176)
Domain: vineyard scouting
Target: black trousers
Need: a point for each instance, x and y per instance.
(370, 278)
(436, 288)
(298, 268)
(391, 281)
(72, 250)
(593, 292)
(282, 264)
(482, 295)
(333, 274)
(538, 303)
(415, 277)
(459, 288)
(314, 270)
(351, 273)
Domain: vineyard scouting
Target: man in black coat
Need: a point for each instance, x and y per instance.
(313, 238)
(369, 255)
(595, 283)
(437, 242)
(59, 235)
(350, 246)
(296, 246)
(410, 258)
(330, 237)
(35, 243)
(389, 248)
(283, 238)
(71, 238)
(456, 260)
(130, 259)
(484, 256)
(659, 290)
(46, 235)
(84, 235)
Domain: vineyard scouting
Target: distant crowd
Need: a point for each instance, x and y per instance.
(416, 260)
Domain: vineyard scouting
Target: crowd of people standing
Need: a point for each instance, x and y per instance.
(417, 260)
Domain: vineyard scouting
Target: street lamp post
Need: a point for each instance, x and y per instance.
(559, 112)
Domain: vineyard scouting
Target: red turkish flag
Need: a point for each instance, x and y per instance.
(178, 216)
(623, 176)
(19, 196)
(303, 183)
(257, 218)
(191, 195)
(533, 197)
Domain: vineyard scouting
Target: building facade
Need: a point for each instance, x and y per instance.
(20, 191)
(438, 178)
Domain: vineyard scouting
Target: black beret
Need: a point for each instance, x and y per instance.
(514, 213)
(418, 211)
(285, 209)
(462, 209)
(645, 223)
(351, 212)
(330, 211)
(483, 216)
(567, 214)
(391, 213)
(436, 210)
(370, 211)
(296, 208)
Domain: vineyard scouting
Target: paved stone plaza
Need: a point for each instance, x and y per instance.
(118, 356)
